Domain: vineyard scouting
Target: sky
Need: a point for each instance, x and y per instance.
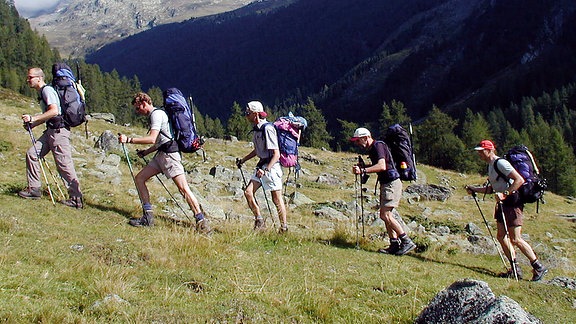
(28, 8)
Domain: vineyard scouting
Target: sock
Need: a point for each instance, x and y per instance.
(394, 241)
(199, 217)
(403, 237)
(259, 217)
(147, 206)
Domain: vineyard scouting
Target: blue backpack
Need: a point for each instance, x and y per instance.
(71, 101)
(522, 160)
(181, 121)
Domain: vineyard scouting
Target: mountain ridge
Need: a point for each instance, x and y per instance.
(351, 56)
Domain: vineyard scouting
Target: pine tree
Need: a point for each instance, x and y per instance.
(316, 133)
(346, 131)
(237, 124)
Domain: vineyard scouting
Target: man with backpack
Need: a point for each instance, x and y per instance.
(390, 189)
(268, 173)
(167, 160)
(56, 138)
(510, 206)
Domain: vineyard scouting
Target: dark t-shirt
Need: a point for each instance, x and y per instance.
(379, 150)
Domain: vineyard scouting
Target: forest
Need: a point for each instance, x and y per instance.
(543, 123)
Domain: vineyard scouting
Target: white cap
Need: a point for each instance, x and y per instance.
(360, 132)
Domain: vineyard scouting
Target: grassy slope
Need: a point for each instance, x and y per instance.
(56, 263)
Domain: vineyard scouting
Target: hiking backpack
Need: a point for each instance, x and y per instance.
(71, 100)
(522, 160)
(400, 145)
(181, 121)
(288, 129)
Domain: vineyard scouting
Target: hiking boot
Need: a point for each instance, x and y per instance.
(538, 271)
(259, 223)
(75, 202)
(146, 220)
(405, 247)
(391, 249)
(510, 272)
(30, 193)
(203, 227)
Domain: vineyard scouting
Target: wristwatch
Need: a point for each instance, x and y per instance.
(506, 192)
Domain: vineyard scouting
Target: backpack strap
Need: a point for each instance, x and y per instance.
(500, 173)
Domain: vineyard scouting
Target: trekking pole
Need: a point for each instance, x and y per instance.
(267, 203)
(28, 125)
(356, 208)
(510, 247)
(489, 231)
(170, 194)
(54, 178)
(362, 165)
(47, 166)
(132, 173)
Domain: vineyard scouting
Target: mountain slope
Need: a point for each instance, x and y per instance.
(77, 27)
(351, 56)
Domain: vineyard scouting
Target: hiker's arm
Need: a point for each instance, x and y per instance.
(248, 157)
(378, 167)
(483, 189)
(518, 181)
(275, 157)
(51, 111)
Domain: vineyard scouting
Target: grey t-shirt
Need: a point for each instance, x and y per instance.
(49, 97)
(265, 140)
(500, 184)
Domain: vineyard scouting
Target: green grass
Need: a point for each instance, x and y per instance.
(60, 265)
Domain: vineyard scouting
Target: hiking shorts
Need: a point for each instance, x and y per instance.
(169, 163)
(271, 180)
(513, 215)
(390, 193)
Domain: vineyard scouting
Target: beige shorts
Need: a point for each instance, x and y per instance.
(390, 193)
(271, 180)
(169, 163)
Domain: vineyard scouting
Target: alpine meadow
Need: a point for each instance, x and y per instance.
(88, 265)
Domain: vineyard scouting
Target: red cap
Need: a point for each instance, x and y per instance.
(485, 145)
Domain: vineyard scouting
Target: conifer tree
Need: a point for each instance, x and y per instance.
(237, 124)
(474, 129)
(346, 131)
(316, 133)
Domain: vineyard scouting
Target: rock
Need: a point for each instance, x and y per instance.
(430, 191)
(472, 301)
(102, 116)
(330, 213)
(108, 142)
(473, 229)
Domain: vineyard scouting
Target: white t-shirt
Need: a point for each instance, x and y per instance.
(159, 121)
(498, 183)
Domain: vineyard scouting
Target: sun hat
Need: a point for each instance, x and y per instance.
(485, 145)
(360, 132)
(256, 106)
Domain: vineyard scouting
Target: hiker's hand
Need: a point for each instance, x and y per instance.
(26, 119)
(356, 170)
(469, 189)
(141, 153)
(500, 196)
(260, 172)
(122, 138)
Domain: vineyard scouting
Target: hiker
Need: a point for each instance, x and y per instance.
(390, 189)
(167, 160)
(508, 203)
(268, 173)
(56, 138)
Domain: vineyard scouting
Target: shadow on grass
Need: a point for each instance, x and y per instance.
(468, 267)
(107, 208)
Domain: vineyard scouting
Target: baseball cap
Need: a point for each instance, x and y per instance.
(485, 145)
(360, 132)
(256, 106)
